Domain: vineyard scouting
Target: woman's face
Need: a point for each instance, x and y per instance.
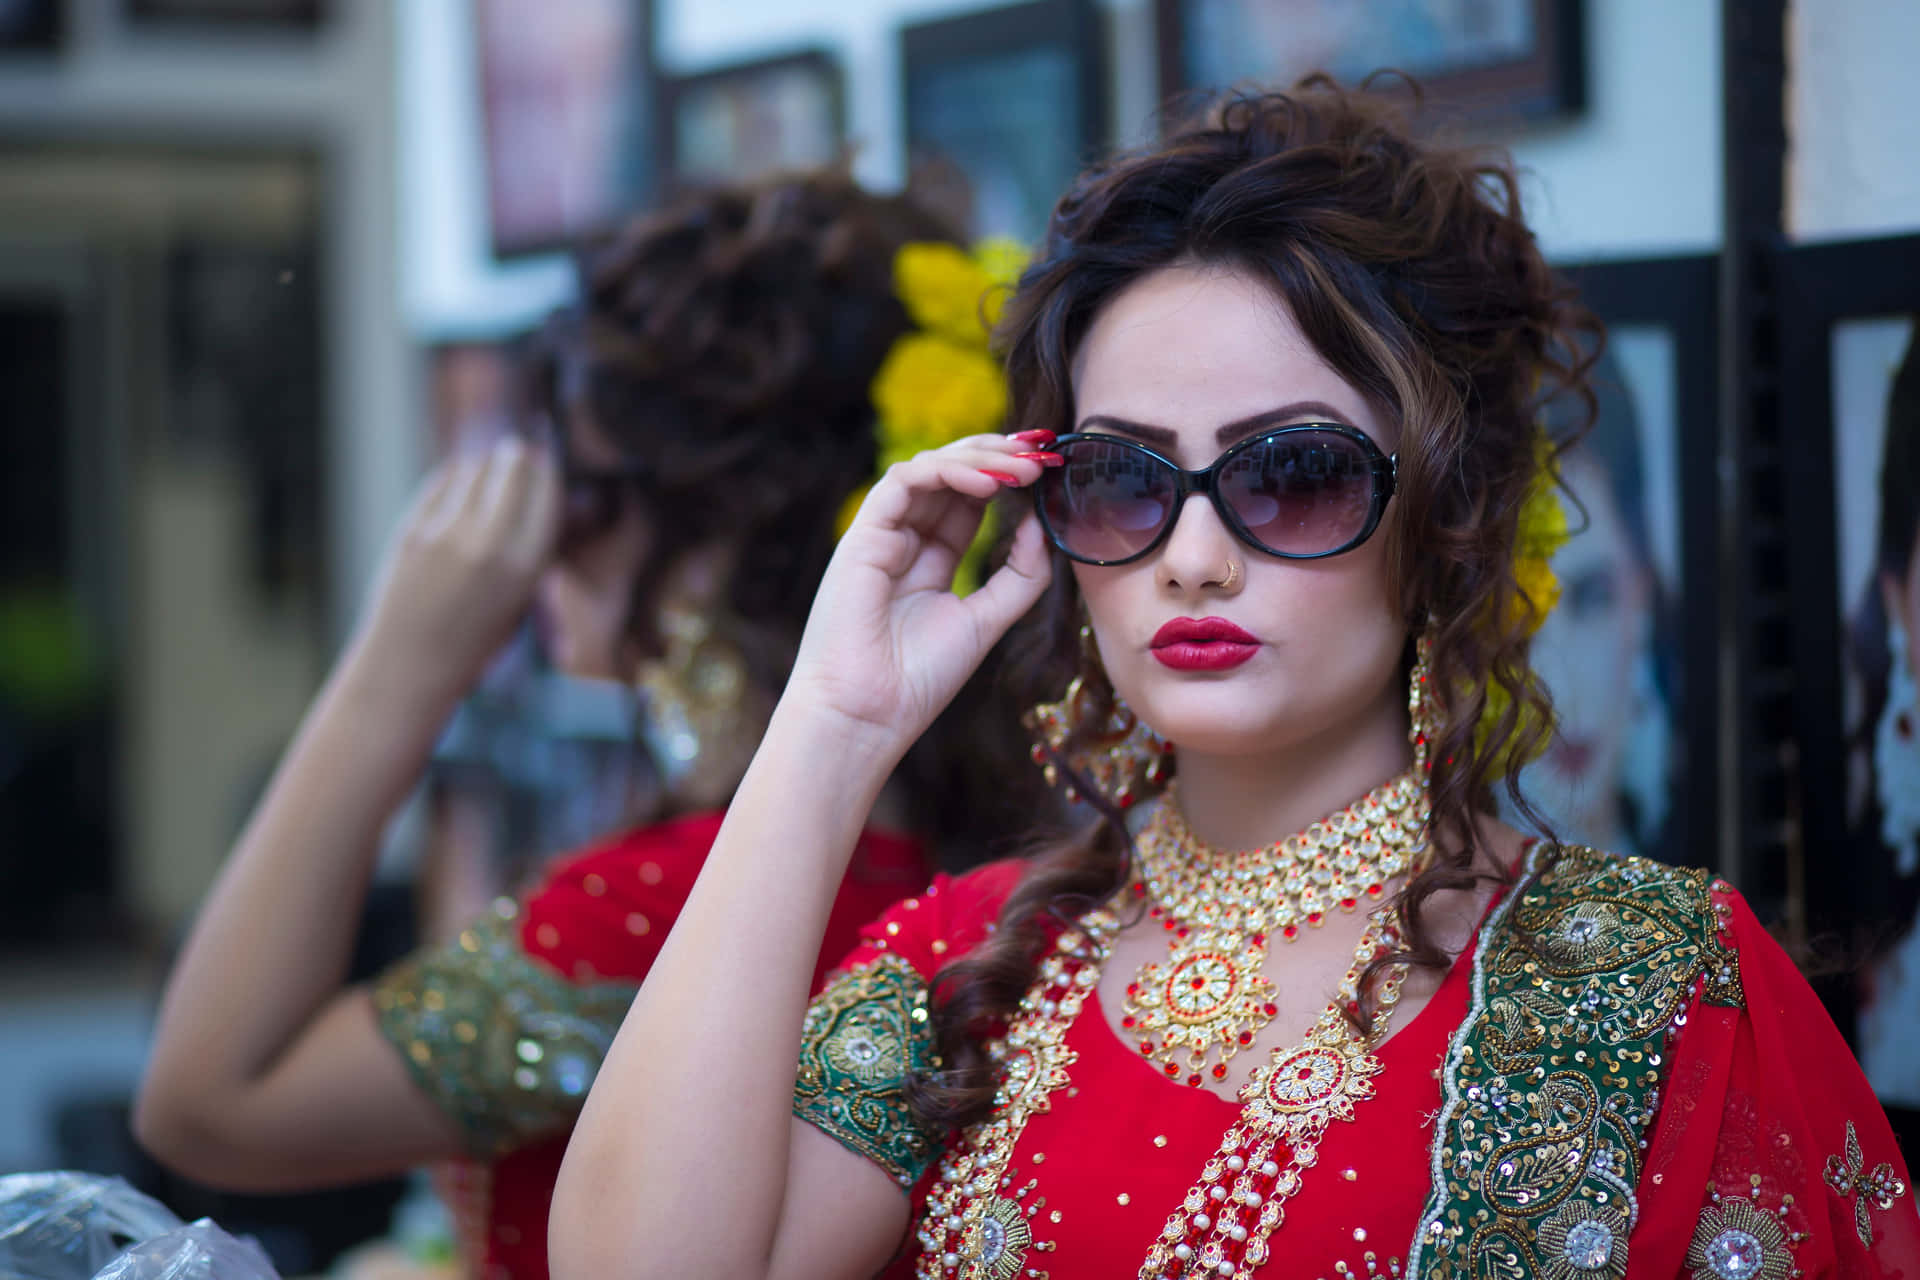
(1585, 653)
(585, 597)
(1174, 361)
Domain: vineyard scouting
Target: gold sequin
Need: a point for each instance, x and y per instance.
(939, 946)
(595, 886)
(1124, 1198)
(547, 936)
(1160, 1140)
(1350, 1175)
(1054, 1216)
(650, 873)
(893, 928)
(637, 924)
(1360, 1234)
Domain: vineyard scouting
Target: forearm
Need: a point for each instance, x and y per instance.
(274, 937)
(692, 1109)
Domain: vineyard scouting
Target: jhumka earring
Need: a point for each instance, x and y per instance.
(1121, 756)
(1422, 714)
(696, 712)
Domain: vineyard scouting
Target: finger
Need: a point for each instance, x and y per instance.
(1015, 586)
(910, 494)
(461, 474)
(539, 530)
(509, 477)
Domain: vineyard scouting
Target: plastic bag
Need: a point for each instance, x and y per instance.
(198, 1251)
(81, 1226)
(66, 1226)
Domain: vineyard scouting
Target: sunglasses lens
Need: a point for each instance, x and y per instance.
(1303, 493)
(1108, 502)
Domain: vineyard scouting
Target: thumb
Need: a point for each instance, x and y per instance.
(1014, 586)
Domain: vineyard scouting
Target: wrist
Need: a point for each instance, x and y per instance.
(851, 758)
(376, 682)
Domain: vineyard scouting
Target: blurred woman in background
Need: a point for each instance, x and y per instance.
(695, 423)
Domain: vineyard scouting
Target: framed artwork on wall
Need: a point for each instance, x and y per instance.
(567, 103)
(29, 27)
(252, 15)
(1630, 654)
(1850, 361)
(1010, 103)
(1500, 60)
(745, 121)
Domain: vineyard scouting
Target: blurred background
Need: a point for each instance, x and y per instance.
(262, 262)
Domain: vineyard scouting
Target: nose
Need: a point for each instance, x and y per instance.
(1201, 552)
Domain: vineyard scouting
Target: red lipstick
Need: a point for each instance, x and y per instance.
(1202, 644)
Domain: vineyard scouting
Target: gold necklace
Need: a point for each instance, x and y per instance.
(1210, 995)
(1223, 1224)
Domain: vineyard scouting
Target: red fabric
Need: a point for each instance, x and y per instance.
(603, 914)
(1758, 1100)
(1766, 1091)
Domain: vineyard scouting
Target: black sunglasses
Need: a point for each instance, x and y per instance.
(1301, 492)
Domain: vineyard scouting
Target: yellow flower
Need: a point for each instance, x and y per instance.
(956, 294)
(931, 391)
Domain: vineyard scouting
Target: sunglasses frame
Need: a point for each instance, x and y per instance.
(1382, 467)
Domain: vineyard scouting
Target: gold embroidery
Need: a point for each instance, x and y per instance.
(865, 1034)
(1736, 1240)
(1848, 1182)
(498, 1040)
(1553, 1079)
(974, 1189)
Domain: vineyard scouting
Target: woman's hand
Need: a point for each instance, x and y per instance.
(460, 570)
(888, 644)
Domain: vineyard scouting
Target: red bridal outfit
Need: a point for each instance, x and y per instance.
(1622, 1076)
(506, 1026)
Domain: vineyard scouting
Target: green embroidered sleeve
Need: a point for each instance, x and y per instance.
(1553, 1080)
(865, 1033)
(501, 1043)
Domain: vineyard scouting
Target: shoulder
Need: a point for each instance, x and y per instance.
(953, 915)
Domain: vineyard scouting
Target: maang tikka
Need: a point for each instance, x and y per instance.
(1123, 758)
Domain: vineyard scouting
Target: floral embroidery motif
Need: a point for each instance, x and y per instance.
(1582, 977)
(1736, 1240)
(864, 1034)
(500, 1042)
(1584, 1242)
(1849, 1183)
(977, 1225)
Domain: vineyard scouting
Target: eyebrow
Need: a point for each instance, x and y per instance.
(1237, 430)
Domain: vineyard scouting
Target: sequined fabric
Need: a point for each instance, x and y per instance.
(498, 1040)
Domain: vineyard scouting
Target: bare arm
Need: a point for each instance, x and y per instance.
(690, 1121)
(266, 1073)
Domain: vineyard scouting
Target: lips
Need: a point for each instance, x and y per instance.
(1202, 644)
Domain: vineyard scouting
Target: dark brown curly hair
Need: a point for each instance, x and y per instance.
(1411, 270)
(726, 345)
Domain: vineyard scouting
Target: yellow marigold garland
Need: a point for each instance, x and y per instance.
(941, 381)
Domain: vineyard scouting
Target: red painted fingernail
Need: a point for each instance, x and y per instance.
(1001, 476)
(1039, 435)
(1044, 459)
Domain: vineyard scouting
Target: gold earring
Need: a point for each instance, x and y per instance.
(1121, 757)
(695, 709)
(1422, 714)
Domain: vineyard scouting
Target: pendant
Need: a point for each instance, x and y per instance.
(1210, 993)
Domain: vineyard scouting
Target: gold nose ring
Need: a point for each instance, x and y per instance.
(1232, 579)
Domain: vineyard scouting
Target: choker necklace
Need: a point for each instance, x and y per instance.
(1221, 910)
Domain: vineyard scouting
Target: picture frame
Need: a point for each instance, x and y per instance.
(568, 104)
(747, 120)
(1524, 63)
(1850, 386)
(32, 28)
(1639, 610)
(239, 15)
(1007, 104)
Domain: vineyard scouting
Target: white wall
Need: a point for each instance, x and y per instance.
(1853, 118)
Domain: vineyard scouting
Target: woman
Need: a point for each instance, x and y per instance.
(1886, 746)
(1350, 330)
(707, 407)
